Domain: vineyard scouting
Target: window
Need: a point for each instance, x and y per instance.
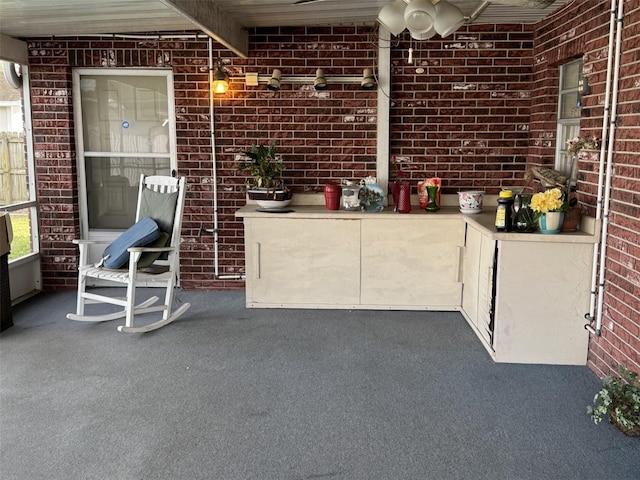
(568, 115)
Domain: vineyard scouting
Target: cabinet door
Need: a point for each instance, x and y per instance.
(412, 264)
(302, 262)
(477, 296)
(485, 288)
(471, 273)
(543, 294)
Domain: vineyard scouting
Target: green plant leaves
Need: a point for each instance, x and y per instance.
(264, 166)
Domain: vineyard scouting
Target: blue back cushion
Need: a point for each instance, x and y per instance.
(142, 233)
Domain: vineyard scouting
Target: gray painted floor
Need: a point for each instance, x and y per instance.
(229, 393)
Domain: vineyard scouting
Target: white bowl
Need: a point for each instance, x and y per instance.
(470, 201)
(273, 203)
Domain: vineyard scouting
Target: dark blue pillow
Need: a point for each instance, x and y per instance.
(142, 233)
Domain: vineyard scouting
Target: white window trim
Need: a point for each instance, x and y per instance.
(77, 113)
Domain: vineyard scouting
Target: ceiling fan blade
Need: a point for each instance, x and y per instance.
(525, 3)
(300, 2)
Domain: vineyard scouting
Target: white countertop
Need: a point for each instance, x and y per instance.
(484, 220)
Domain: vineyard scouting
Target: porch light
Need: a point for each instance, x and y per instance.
(220, 83)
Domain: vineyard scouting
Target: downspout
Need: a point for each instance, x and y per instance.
(214, 181)
(606, 147)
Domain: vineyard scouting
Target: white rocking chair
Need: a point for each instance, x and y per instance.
(157, 196)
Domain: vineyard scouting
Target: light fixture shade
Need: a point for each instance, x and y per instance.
(448, 18)
(419, 15)
(423, 36)
(320, 83)
(274, 81)
(220, 83)
(391, 17)
(368, 81)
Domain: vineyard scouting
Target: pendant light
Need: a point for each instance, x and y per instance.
(419, 15)
(391, 17)
(448, 18)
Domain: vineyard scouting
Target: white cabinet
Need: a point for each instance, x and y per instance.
(302, 262)
(533, 310)
(411, 264)
(320, 259)
(542, 297)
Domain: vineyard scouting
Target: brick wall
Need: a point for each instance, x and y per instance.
(54, 146)
(482, 110)
(461, 111)
(582, 30)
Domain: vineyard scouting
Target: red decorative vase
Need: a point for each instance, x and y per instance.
(332, 196)
(404, 198)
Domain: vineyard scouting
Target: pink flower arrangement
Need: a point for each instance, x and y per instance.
(576, 144)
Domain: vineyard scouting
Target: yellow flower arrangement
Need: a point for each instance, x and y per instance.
(548, 201)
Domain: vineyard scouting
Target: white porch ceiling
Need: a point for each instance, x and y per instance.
(225, 20)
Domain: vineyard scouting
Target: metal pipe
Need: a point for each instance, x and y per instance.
(601, 169)
(479, 9)
(604, 202)
(214, 181)
(310, 79)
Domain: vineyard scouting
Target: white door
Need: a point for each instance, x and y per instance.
(17, 180)
(125, 126)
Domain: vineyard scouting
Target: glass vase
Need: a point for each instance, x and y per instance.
(433, 203)
(524, 220)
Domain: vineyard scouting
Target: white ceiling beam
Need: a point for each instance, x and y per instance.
(13, 50)
(525, 3)
(215, 22)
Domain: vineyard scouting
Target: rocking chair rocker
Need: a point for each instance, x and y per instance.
(161, 199)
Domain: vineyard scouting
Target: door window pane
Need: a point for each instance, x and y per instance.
(13, 168)
(112, 188)
(22, 243)
(125, 114)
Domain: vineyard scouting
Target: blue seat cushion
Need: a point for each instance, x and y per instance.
(141, 234)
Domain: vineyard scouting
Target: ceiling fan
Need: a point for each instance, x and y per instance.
(523, 3)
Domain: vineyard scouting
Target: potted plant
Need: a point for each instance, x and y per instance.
(266, 186)
(549, 207)
(619, 398)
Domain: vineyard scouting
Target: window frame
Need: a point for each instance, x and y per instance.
(567, 128)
